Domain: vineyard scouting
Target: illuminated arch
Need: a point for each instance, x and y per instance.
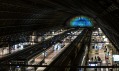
(80, 21)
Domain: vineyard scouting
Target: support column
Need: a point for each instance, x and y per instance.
(9, 49)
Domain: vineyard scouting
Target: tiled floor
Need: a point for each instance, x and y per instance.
(101, 54)
(52, 54)
(6, 50)
(51, 57)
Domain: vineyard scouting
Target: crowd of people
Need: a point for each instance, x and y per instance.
(96, 59)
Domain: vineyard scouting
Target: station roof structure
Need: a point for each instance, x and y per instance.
(18, 16)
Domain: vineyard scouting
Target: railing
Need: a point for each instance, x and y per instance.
(86, 68)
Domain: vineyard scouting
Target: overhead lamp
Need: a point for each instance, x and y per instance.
(103, 36)
(105, 39)
(61, 30)
(99, 29)
(17, 66)
(68, 33)
(107, 43)
(53, 32)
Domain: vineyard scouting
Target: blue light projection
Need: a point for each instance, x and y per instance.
(80, 21)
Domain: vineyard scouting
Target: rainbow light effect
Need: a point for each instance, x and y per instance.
(80, 21)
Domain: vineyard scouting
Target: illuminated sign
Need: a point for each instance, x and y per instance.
(115, 57)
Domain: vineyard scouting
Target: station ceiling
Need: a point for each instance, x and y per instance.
(27, 15)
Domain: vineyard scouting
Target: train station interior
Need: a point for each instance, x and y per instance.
(59, 35)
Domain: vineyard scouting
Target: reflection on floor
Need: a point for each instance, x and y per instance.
(51, 54)
(104, 61)
(100, 47)
(5, 51)
(51, 57)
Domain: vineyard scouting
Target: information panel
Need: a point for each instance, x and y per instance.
(115, 57)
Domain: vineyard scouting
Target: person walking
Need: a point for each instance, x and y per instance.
(95, 58)
(92, 59)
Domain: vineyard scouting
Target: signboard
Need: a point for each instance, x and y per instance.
(115, 57)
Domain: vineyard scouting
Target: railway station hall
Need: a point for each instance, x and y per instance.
(59, 35)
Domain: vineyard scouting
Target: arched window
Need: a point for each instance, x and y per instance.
(80, 21)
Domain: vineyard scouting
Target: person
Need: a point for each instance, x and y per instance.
(93, 39)
(92, 47)
(99, 59)
(111, 70)
(95, 58)
(56, 47)
(108, 53)
(92, 58)
(96, 47)
(105, 49)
